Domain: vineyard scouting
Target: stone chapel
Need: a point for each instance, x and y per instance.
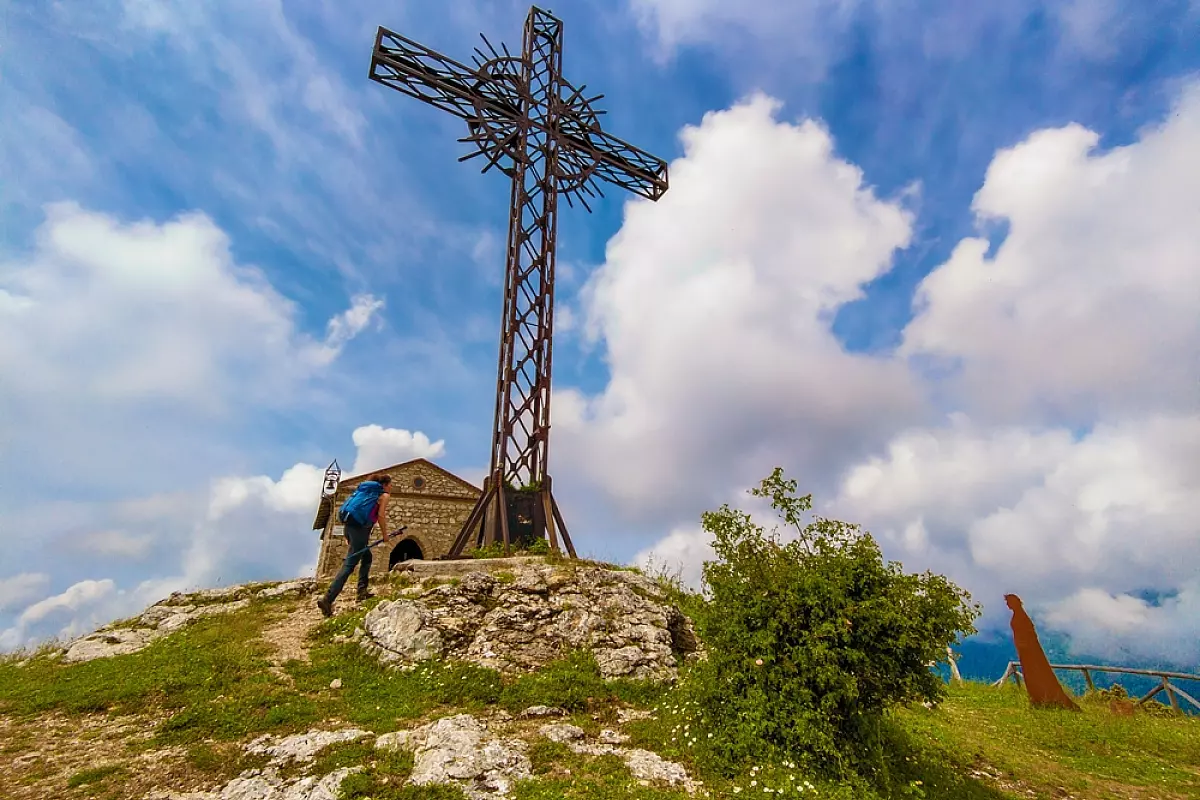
(432, 502)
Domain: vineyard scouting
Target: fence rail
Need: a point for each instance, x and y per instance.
(1173, 691)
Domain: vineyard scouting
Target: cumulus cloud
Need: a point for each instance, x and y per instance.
(237, 529)
(715, 304)
(682, 553)
(381, 447)
(1122, 626)
(118, 312)
(80, 595)
(1037, 513)
(1088, 307)
(17, 590)
(1059, 455)
(260, 528)
(74, 611)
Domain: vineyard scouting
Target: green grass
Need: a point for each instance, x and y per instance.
(1096, 754)
(207, 687)
(590, 777)
(221, 761)
(211, 680)
(94, 775)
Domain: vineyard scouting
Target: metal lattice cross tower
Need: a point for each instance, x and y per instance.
(536, 128)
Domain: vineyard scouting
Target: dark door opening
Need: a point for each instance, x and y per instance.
(407, 549)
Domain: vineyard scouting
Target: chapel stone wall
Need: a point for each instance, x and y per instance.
(431, 502)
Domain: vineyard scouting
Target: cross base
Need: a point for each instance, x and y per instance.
(532, 514)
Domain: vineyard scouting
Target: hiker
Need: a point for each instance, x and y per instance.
(366, 506)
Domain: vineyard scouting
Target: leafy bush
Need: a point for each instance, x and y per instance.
(811, 641)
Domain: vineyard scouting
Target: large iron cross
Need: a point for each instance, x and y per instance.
(543, 133)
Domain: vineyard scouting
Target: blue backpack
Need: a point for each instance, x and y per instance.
(360, 506)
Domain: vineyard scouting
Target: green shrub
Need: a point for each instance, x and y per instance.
(538, 547)
(811, 641)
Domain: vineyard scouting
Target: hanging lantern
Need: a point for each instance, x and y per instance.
(332, 474)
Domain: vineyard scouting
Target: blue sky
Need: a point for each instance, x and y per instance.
(212, 206)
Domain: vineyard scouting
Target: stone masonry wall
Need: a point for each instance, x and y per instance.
(432, 503)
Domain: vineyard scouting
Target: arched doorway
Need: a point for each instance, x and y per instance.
(407, 549)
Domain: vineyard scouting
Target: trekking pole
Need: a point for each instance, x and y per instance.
(375, 543)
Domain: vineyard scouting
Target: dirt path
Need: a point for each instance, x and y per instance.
(288, 637)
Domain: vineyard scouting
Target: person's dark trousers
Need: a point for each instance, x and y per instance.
(356, 540)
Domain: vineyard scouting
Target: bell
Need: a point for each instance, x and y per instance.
(332, 474)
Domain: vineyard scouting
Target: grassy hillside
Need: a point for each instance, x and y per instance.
(177, 714)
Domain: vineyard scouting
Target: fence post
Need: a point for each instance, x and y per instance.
(954, 673)
(1087, 677)
(1004, 677)
(1170, 692)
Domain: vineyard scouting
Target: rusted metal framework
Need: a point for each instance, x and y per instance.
(526, 120)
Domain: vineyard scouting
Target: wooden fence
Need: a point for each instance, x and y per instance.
(1173, 691)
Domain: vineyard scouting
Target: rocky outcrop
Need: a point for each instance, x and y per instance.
(525, 619)
(301, 747)
(645, 766)
(460, 750)
(176, 611)
(267, 784)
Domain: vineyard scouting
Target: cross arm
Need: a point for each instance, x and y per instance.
(415, 70)
(618, 162)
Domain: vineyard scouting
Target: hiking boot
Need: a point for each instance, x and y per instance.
(366, 594)
(325, 606)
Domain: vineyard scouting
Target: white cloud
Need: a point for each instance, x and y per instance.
(118, 312)
(294, 491)
(76, 597)
(342, 328)
(381, 447)
(1067, 463)
(681, 553)
(1088, 308)
(113, 543)
(19, 589)
(242, 528)
(1121, 626)
(715, 305)
(125, 344)
(1039, 514)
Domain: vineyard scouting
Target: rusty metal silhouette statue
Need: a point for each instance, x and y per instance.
(1040, 681)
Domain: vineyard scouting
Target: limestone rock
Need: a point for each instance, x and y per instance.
(402, 630)
(649, 766)
(459, 750)
(397, 740)
(302, 746)
(525, 622)
(268, 785)
(643, 764)
(103, 644)
(608, 736)
(171, 614)
(630, 714)
(561, 732)
(293, 588)
(543, 711)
